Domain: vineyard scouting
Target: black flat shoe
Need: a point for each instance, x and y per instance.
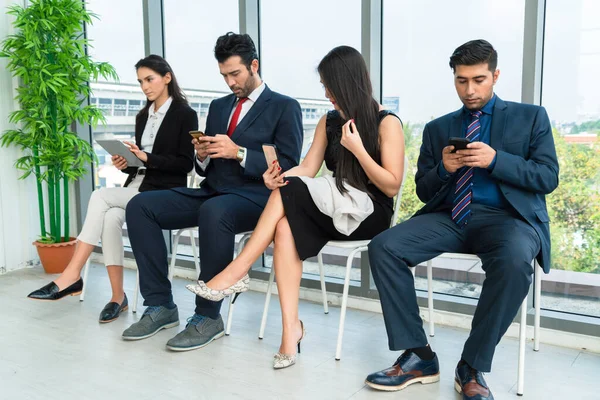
(112, 311)
(51, 292)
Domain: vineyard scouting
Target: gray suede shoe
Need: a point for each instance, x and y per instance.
(198, 332)
(154, 319)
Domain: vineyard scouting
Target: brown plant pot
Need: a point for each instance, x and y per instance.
(56, 256)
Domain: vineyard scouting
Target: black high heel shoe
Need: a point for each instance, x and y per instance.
(51, 291)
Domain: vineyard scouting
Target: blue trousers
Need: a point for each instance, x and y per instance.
(218, 217)
(506, 245)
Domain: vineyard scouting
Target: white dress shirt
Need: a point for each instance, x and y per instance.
(155, 119)
(252, 97)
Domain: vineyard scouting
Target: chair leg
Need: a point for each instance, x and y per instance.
(230, 315)
(137, 291)
(338, 351)
(522, 339)
(323, 288)
(430, 297)
(174, 253)
(537, 300)
(195, 253)
(263, 322)
(86, 269)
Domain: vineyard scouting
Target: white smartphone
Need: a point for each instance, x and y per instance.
(270, 151)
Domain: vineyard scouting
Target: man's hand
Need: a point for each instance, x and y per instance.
(452, 161)
(201, 149)
(477, 154)
(119, 162)
(219, 146)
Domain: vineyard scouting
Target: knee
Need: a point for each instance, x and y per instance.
(282, 230)
(514, 267)
(135, 207)
(114, 218)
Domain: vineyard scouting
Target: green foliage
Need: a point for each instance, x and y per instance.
(574, 208)
(588, 126)
(410, 202)
(48, 55)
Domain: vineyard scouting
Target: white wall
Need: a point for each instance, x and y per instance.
(19, 225)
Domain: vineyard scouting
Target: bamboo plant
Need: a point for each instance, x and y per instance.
(48, 55)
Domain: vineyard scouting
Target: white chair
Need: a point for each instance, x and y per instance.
(356, 247)
(523, 320)
(175, 244)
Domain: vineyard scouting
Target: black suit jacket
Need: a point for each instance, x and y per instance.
(273, 119)
(172, 153)
(526, 165)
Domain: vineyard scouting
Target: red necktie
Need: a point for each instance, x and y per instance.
(236, 116)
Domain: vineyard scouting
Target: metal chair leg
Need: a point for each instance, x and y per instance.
(263, 322)
(323, 288)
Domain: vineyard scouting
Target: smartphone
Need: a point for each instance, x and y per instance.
(197, 134)
(458, 143)
(270, 151)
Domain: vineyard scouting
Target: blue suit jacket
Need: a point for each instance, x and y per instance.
(526, 165)
(273, 119)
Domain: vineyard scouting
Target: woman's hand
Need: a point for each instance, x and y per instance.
(351, 138)
(136, 150)
(119, 162)
(273, 177)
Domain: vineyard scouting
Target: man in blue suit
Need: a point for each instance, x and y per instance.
(230, 200)
(488, 200)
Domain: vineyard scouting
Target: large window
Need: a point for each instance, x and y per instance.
(418, 85)
(295, 36)
(571, 94)
(119, 101)
(191, 30)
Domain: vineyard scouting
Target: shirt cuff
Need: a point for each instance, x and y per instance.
(493, 163)
(203, 164)
(442, 173)
(243, 162)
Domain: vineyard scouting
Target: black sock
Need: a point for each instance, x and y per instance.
(170, 305)
(424, 353)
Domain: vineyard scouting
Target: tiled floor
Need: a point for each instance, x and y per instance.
(57, 350)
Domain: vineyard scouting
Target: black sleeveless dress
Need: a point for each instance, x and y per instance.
(310, 227)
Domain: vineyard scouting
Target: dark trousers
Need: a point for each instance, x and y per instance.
(218, 217)
(506, 246)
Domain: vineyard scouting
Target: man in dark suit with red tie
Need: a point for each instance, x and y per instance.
(229, 201)
(488, 200)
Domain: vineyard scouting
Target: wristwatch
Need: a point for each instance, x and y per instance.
(240, 154)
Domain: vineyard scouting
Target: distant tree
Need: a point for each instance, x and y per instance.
(410, 202)
(574, 208)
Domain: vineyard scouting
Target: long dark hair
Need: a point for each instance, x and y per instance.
(344, 73)
(161, 67)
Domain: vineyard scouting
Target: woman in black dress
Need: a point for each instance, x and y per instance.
(364, 146)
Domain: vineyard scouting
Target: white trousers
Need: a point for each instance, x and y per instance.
(104, 220)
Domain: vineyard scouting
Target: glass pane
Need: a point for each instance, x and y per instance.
(191, 31)
(289, 65)
(571, 94)
(418, 85)
(126, 28)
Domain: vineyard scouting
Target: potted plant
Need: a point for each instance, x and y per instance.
(48, 56)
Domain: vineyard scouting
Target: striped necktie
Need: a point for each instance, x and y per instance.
(463, 192)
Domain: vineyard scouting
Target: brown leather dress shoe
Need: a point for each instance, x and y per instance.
(470, 383)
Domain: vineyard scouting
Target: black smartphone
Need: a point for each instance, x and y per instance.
(459, 143)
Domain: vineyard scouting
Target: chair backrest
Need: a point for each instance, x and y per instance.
(399, 195)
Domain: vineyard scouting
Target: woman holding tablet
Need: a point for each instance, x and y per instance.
(163, 145)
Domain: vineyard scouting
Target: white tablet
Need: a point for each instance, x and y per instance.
(117, 148)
